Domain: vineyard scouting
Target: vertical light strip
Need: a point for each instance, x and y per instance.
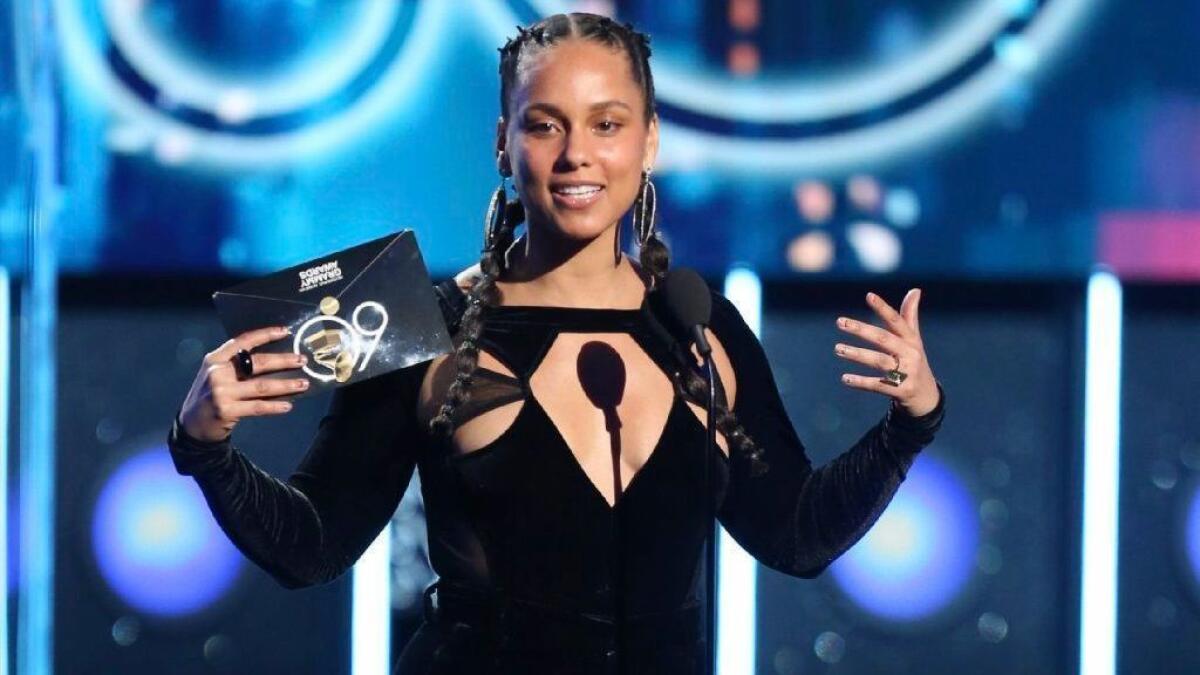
(36, 77)
(5, 327)
(737, 571)
(1101, 471)
(371, 613)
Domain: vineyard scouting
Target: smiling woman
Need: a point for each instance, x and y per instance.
(562, 446)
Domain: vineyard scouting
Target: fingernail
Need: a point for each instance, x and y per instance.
(281, 330)
(846, 379)
(303, 384)
(287, 406)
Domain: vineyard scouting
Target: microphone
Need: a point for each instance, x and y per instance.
(688, 305)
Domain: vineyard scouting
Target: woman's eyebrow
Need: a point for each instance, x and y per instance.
(557, 112)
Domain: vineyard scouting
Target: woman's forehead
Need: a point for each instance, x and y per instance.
(575, 72)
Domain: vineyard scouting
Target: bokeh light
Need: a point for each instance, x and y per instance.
(1192, 536)
(811, 252)
(878, 247)
(155, 542)
(920, 554)
(815, 201)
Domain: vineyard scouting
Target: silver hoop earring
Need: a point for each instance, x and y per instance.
(496, 215)
(645, 208)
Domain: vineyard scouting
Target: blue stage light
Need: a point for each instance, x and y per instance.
(919, 556)
(155, 541)
(1191, 535)
(185, 112)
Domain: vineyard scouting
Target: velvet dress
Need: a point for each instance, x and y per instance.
(537, 572)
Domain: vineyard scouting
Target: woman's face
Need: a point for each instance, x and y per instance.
(576, 140)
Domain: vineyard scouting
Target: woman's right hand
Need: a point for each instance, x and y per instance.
(218, 399)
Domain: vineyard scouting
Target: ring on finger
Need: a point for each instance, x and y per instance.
(894, 376)
(243, 365)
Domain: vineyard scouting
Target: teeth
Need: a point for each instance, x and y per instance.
(577, 189)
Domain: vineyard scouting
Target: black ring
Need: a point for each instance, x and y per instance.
(243, 365)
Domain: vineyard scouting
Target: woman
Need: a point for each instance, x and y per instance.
(560, 447)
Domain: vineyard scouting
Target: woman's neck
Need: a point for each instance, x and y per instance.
(569, 273)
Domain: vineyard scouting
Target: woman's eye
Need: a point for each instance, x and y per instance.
(608, 126)
(541, 127)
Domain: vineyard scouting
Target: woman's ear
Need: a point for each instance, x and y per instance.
(503, 163)
(651, 143)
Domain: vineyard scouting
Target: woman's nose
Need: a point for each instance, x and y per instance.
(576, 149)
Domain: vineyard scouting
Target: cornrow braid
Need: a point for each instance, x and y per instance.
(593, 27)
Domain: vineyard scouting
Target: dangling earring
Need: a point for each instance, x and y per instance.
(617, 242)
(644, 210)
(496, 214)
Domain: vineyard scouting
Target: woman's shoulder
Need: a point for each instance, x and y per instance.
(726, 319)
(466, 278)
(452, 293)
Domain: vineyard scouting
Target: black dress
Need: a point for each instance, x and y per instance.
(535, 567)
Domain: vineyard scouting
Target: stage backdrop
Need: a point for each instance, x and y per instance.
(838, 138)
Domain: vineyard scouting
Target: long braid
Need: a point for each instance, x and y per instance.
(655, 258)
(483, 292)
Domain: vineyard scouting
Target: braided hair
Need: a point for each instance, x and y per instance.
(654, 256)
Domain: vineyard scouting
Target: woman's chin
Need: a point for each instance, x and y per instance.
(577, 229)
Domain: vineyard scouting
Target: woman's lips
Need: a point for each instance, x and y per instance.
(577, 198)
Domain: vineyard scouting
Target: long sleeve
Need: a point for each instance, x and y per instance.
(793, 518)
(312, 527)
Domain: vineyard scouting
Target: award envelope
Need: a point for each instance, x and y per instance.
(357, 313)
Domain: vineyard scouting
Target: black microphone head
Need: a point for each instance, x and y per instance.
(686, 298)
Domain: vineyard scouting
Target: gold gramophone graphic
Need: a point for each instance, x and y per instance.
(335, 344)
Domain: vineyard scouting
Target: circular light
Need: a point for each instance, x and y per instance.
(829, 647)
(306, 82)
(811, 252)
(920, 554)
(1191, 536)
(992, 627)
(902, 207)
(865, 192)
(834, 123)
(155, 541)
(878, 247)
(187, 113)
(815, 201)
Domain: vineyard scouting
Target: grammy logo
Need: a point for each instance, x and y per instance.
(335, 345)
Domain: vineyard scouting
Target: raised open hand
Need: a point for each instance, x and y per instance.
(902, 350)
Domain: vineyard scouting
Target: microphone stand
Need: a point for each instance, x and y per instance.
(710, 524)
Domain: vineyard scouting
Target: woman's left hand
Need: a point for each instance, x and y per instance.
(901, 348)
